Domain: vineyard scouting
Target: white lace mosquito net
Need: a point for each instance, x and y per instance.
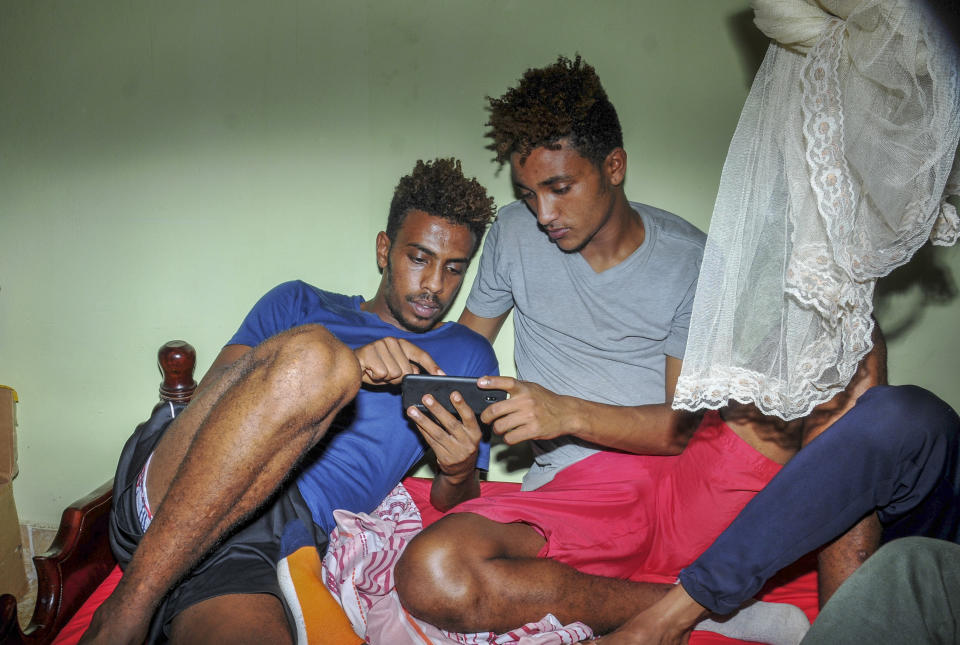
(837, 173)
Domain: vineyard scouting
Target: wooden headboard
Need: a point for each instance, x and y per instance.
(79, 558)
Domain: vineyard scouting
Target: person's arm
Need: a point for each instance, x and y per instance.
(533, 412)
(388, 360)
(455, 443)
(486, 327)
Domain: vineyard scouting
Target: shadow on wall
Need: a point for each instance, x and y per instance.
(751, 43)
(903, 296)
(926, 280)
(514, 458)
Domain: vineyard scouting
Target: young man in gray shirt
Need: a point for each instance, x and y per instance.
(601, 290)
(609, 520)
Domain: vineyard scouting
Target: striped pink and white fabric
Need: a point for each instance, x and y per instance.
(358, 571)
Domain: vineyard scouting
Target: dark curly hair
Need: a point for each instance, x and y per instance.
(562, 100)
(439, 188)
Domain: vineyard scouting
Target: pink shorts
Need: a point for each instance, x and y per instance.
(639, 517)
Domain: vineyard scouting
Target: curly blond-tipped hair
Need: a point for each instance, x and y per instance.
(439, 188)
(563, 100)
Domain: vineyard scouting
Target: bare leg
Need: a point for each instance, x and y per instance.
(233, 619)
(466, 573)
(222, 457)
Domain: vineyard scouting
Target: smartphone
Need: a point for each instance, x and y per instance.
(414, 386)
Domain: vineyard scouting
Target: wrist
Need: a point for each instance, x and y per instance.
(458, 477)
(578, 418)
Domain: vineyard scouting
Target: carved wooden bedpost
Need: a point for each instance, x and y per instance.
(177, 360)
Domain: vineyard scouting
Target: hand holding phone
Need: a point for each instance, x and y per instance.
(415, 386)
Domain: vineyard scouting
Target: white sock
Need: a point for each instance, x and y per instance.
(775, 623)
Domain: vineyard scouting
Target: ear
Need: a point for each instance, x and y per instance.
(615, 166)
(383, 250)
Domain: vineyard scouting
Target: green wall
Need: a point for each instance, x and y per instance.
(164, 164)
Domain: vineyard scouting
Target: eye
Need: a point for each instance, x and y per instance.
(524, 195)
(455, 270)
(416, 259)
(561, 190)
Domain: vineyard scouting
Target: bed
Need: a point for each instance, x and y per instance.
(79, 558)
(78, 570)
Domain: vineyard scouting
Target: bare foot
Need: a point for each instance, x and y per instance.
(633, 634)
(668, 621)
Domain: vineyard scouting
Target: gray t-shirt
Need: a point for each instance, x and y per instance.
(597, 336)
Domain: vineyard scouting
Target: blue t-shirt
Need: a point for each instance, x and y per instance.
(371, 445)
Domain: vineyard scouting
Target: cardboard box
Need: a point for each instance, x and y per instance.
(13, 574)
(8, 434)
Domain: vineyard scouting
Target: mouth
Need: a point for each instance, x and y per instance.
(557, 233)
(424, 307)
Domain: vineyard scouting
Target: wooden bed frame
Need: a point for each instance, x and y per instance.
(79, 558)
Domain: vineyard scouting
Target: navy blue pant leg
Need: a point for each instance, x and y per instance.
(927, 501)
(896, 452)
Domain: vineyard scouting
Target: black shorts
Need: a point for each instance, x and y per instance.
(244, 562)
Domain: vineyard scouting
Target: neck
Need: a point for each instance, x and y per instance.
(621, 234)
(378, 306)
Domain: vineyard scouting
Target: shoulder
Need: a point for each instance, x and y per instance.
(516, 218)
(300, 291)
(296, 302)
(673, 229)
(461, 346)
(515, 232)
(463, 337)
(292, 289)
(464, 334)
(514, 210)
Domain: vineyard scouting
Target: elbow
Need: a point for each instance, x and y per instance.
(675, 445)
(681, 431)
(675, 442)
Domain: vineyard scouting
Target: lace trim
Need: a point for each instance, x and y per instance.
(946, 230)
(831, 179)
(814, 281)
(819, 275)
(807, 387)
(837, 249)
(820, 103)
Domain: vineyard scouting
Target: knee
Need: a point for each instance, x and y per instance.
(309, 365)
(435, 579)
(912, 557)
(902, 420)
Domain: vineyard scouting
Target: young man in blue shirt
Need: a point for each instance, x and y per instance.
(301, 410)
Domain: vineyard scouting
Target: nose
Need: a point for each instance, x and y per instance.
(433, 278)
(546, 210)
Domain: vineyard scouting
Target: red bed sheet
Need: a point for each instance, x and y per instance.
(796, 585)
